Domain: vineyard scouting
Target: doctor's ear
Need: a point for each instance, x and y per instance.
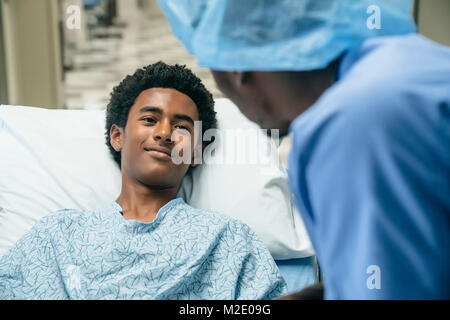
(115, 135)
(241, 77)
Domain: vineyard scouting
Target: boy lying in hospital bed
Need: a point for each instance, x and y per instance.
(148, 244)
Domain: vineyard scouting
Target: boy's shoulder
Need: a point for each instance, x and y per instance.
(216, 219)
(66, 217)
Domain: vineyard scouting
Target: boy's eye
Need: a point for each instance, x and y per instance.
(150, 120)
(182, 127)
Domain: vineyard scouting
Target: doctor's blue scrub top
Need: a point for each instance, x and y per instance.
(370, 172)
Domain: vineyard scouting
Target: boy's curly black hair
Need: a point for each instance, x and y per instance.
(157, 75)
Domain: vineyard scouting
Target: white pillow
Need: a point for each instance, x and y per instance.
(54, 159)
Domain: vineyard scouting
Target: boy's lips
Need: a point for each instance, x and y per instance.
(159, 153)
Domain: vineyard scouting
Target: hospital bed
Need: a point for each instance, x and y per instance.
(54, 159)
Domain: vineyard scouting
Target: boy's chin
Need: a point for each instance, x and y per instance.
(163, 177)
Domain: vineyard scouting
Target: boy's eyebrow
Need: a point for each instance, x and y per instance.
(184, 117)
(158, 110)
(150, 109)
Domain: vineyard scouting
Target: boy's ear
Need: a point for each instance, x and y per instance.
(115, 135)
(193, 164)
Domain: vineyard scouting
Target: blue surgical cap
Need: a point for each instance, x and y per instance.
(242, 35)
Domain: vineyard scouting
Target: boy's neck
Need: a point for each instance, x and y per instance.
(142, 203)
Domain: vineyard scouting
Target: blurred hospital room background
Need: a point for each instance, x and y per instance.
(68, 54)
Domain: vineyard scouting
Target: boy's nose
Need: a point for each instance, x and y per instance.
(163, 132)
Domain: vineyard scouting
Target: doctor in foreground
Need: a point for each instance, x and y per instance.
(148, 244)
(367, 102)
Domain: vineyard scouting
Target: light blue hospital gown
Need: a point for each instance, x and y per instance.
(370, 172)
(185, 253)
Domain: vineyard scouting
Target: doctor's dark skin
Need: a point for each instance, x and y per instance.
(273, 99)
(150, 178)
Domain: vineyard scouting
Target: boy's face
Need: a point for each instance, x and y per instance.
(154, 127)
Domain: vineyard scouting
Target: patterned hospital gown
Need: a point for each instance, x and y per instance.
(185, 253)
